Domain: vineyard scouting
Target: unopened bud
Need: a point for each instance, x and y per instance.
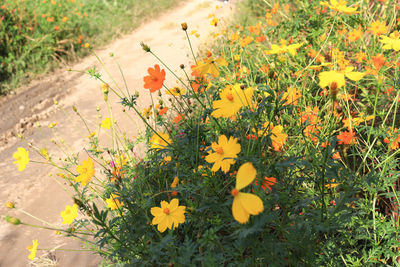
(184, 26)
(74, 109)
(10, 205)
(145, 47)
(13, 220)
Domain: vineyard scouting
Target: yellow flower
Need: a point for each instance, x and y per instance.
(225, 152)
(32, 249)
(276, 49)
(22, 158)
(245, 204)
(157, 142)
(351, 122)
(391, 42)
(176, 91)
(291, 96)
(278, 137)
(233, 98)
(246, 41)
(52, 125)
(86, 172)
(378, 27)
(120, 160)
(169, 215)
(106, 123)
(113, 202)
(175, 182)
(340, 6)
(209, 65)
(69, 214)
(336, 79)
(45, 154)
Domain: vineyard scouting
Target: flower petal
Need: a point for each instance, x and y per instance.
(238, 212)
(246, 174)
(251, 203)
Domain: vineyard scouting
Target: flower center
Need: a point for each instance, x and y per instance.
(334, 89)
(166, 211)
(234, 192)
(154, 78)
(220, 150)
(230, 97)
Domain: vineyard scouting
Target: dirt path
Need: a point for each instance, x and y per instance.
(34, 189)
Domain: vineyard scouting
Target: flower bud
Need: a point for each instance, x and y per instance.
(145, 47)
(10, 205)
(184, 26)
(13, 220)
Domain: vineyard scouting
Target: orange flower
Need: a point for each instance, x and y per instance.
(347, 138)
(162, 111)
(178, 118)
(395, 143)
(360, 56)
(268, 182)
(379, 60)
(260, 39)
(356, 34)
(155, 80)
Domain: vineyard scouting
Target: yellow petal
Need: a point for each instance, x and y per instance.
(238, 212)
(355, 76)
(251, 203)
(246, 174)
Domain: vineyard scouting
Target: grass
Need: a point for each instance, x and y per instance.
(38, 36)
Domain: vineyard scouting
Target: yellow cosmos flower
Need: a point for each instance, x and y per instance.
(233, 98)
(32, 249)
(157, 142)
(351, 122)
(391, 42)
(86, 172)
(291, 96)
(120, 160)
(169, 215)
(276, 49)
(176, 91)
(340, 6)
(210, 65)
(225, 152)
(106, 123)
(22, 158)
(113, 202)
(336, 79)
(245, 204)
(45, 154)
(278, 137)
(69, 214)
(175, 182)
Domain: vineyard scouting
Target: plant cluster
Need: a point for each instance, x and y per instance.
(279, 147)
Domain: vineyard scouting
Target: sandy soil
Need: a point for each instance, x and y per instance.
(35, 189)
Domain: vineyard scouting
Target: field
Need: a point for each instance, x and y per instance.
(277, 146)
(37, 36)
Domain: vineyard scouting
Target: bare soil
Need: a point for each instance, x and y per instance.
(37, 189)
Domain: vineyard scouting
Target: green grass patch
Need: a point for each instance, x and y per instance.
(36, 36)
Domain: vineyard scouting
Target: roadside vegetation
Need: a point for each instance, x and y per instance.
(36, 36)
(278, 147)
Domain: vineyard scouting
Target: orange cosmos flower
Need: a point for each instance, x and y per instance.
(395, 143)
(155, 80)
(347, 138)
(268, 182)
